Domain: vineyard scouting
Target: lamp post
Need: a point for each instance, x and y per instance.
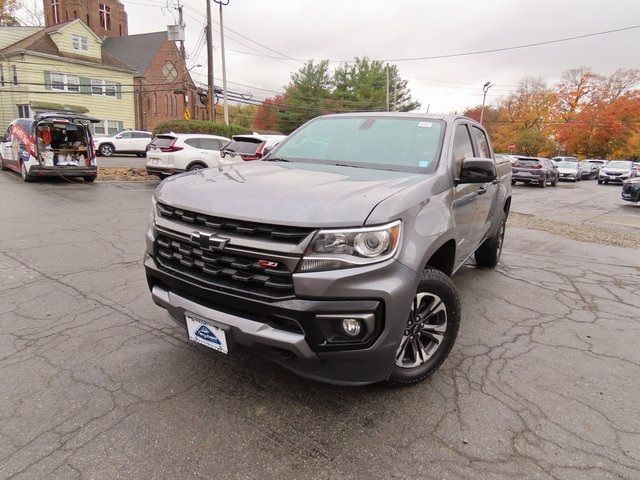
(485, 89)
(222, 3)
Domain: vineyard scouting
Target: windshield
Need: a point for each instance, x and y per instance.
(572, 165)
(619, 164)
(389, 143)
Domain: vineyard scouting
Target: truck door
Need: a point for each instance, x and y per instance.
(472, 203)
(6, 150)
(489, 198)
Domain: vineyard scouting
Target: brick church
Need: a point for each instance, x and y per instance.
(163, 87)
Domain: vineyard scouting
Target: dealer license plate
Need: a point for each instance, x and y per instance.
(207, 335)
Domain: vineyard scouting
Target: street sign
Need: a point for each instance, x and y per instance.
(187, 114)
(512, 147)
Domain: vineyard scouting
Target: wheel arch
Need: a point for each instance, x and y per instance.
(197, 161)
(444, 257)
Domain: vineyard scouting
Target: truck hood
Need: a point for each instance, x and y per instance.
(297, 194)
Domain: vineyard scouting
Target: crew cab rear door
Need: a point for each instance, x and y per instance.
(472, 202)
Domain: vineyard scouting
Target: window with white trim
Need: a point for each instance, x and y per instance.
(24, 111)
(97, 86)
(110, 89)
(58, 81)
(110, 127)
(65, 83)
(79, 42)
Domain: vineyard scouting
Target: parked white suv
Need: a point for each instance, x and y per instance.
(171, 153)
(127, 141)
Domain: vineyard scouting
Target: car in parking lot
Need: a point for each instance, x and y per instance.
(53, 144)
(178, 152)
(597, 162)
(564, 159)
(570, 171)
(631, 190)
(251, 147)
(589, 170)
(535, 170)
(616, 171)
(333, 256)
(126, 141)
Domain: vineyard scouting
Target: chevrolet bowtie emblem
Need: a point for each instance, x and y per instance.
(209, 242)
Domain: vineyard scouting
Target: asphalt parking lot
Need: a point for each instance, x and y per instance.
(127, 161)
(97, 382)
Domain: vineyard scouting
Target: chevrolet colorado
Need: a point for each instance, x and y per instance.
(333, 256)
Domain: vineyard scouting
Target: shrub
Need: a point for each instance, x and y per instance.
(200, 126)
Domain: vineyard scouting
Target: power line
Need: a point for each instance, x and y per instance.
(514, 47)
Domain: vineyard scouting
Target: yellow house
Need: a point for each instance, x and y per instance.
(63, 68)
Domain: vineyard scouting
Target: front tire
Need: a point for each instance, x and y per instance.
(555, 182)
(106, 150)
(543, 183)
(431, 329)
(599, 182)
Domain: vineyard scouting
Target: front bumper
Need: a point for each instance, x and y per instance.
(613, 178)
(385, 289)
(66, 171)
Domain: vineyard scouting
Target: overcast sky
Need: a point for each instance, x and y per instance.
(343, 29)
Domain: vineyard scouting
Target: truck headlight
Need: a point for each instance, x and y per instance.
(343, 248)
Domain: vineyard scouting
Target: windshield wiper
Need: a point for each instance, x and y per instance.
(277, 159)
(347, 165)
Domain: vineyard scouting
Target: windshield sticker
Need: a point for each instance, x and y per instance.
(423, 163)
(425, 124)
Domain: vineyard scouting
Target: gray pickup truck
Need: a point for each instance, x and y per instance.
(333, 256)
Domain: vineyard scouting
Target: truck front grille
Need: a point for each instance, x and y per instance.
(245, 273)
(278, 233)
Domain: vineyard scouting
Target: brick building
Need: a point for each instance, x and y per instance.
(163, 88)
(106, 18)
(163, 85)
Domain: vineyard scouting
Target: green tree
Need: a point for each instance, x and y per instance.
(307, 96)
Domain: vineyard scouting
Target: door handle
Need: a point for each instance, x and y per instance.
(482, 190)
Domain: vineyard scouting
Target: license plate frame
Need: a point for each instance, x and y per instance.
(207, 334)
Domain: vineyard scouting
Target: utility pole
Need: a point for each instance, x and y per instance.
(210, 100)
(387, 71)
(181, 21)
(224, 66)
(485, 89)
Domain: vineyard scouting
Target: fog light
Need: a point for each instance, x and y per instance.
(351, 327)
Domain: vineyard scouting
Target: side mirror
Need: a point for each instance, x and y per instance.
(477, 170)
(3, 139)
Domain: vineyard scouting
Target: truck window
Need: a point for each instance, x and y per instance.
(481, 142)
(462, 147)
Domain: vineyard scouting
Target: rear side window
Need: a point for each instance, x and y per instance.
(193, 142)
(141, 135)
(244, 146)
(462, 147)
(481, 142)
(163, 141)
(209, 144)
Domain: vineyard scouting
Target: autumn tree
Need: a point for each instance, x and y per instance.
(8, 13)
(265, 117)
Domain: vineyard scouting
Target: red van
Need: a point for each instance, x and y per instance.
(54, 144)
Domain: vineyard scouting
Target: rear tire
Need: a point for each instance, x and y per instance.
(431, 329)
(2, 165)
(196, 166)
(488, 254)
(90, 179)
